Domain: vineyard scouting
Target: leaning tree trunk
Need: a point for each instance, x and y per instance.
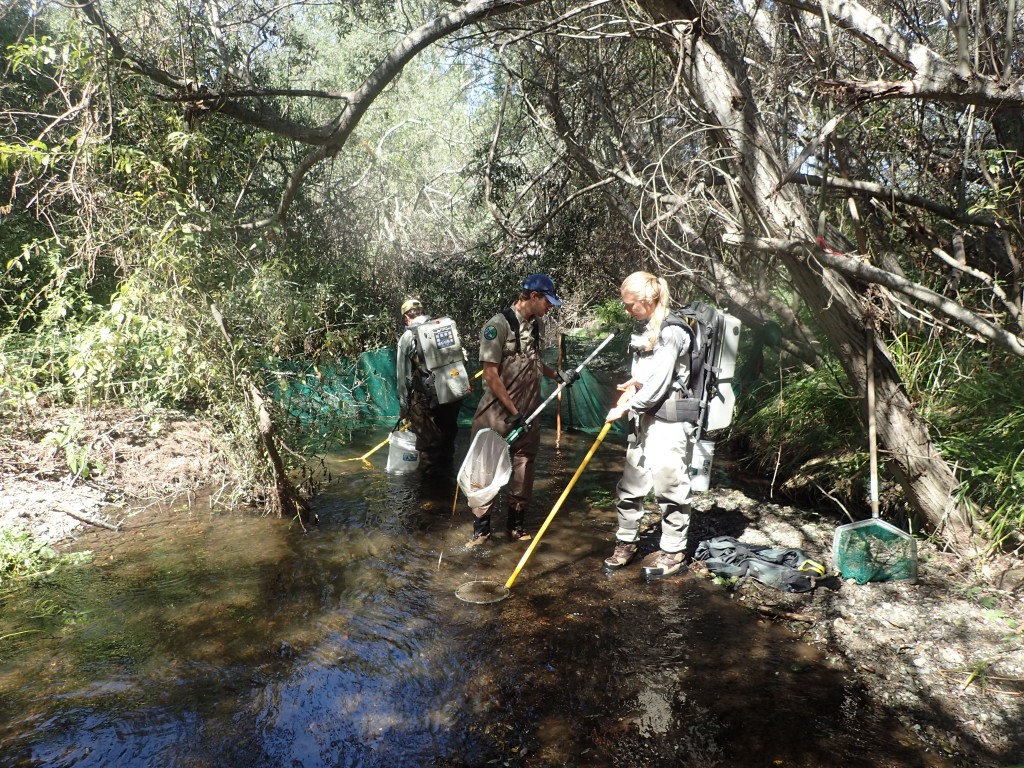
(714, 74)
(284, 500)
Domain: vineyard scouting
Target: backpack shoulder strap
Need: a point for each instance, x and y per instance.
(513, 321)
(688, 323)
(416, 350)
(675, 320)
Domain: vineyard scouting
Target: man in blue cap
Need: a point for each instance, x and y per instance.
(511, 348)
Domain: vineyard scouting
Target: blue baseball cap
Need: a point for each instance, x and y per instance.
(541, 283)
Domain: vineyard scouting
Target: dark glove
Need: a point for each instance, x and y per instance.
(568, 378)
(515, 421)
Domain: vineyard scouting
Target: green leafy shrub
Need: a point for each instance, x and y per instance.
(22, 555)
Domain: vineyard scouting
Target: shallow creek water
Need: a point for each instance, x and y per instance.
(202, 637)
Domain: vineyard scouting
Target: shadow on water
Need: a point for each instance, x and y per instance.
(201, 638)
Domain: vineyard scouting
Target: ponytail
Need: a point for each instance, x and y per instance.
(648, 287)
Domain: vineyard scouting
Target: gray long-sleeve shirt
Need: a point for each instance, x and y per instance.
(404, 361)
(655, 371)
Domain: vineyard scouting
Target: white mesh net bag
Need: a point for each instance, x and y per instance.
(486, 468)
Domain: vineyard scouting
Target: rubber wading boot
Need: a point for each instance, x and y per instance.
(481, 531)
(516, 531)
(624, 552)
(663, 565)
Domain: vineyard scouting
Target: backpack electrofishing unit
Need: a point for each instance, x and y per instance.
(705, 398)
(439, 347)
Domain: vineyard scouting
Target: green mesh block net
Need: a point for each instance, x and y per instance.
(362, 389)
(348, 395)
(874, 550)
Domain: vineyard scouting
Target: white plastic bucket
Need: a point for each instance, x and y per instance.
(402, 453)
(700, 467)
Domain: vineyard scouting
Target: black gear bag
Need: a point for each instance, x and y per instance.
(790, 570)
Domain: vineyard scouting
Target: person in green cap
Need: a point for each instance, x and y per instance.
(435, 424)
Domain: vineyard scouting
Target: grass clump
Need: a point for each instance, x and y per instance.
(978, 425)
(803, 430)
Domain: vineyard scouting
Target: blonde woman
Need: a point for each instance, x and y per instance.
(660, 447)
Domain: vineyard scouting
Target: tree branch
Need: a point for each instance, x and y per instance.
(864, 272)
(332, 136)
(866, 26)
(263, 119)
(946, 87)
(222, 96)
(934, 78)
(982, 277)
(890, 194)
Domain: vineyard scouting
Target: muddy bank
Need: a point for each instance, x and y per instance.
(128, 460)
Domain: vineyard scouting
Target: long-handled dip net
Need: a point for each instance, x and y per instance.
(491, 591)
(486, 469)
(873, 550)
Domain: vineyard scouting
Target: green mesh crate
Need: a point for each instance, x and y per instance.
(874, 550)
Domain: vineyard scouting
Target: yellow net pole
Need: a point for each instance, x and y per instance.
(558, 504)
(377, 447)
(381, 444)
